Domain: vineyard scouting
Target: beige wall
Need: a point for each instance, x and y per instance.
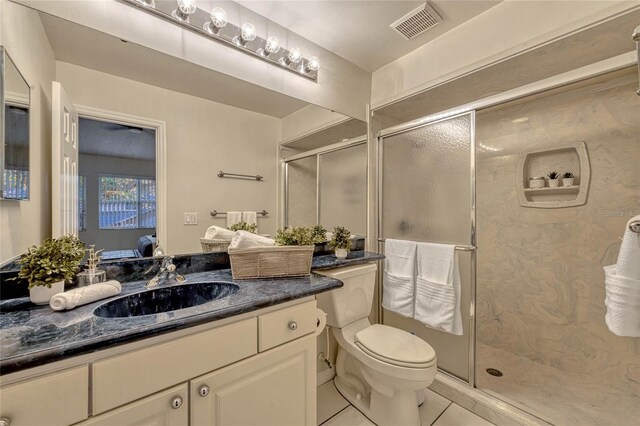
(540, 283)
(501, 32)
(202, 138)
(308, 120)
(23, 223)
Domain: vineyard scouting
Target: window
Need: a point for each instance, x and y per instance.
(15, 184)
(82, 203)
(126, 203)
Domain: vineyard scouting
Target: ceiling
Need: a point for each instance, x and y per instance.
(359, 30)
(83, 46)
(115, 140)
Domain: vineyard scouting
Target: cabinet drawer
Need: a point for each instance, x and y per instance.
(55, 399)
(283, 326)
(157, 409)
(121, 379)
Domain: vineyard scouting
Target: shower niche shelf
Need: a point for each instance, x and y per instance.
(570, 157)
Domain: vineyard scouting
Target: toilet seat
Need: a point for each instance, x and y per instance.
(395, 347)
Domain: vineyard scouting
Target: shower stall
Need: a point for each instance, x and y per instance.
(530, 262)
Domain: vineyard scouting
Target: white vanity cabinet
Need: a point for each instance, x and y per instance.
(256, 368)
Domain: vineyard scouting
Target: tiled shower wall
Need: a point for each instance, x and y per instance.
(540, 284)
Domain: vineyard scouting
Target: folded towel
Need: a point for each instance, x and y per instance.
(219, 233)
(83, 295)
(233, 218)
(437, 301)
(251, 218)
(244, 239)
(628, 263)
(623, 303)
(399, 277)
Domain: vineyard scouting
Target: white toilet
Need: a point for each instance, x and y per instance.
(381, 370)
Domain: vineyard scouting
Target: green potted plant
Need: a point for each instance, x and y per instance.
(319, 234)
(47, 267)
(554, 179)
(244, 226)
(295, 236)
(340, 241)
(567, 179)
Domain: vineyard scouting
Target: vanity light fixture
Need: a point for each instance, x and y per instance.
(214, 25)
(218, 20)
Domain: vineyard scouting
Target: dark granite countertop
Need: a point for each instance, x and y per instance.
(33, 335)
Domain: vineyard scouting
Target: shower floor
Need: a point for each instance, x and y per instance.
(560, 397)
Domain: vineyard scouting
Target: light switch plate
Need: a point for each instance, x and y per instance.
(191, 218)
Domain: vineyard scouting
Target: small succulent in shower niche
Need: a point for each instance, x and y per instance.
(553, 175)
(567, 175)
(567, 179)
(244, 226)
(319, 234)
(294, 236)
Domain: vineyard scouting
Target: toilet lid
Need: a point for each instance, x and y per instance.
(395, 346)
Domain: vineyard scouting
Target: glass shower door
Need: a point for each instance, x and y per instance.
(426, 195)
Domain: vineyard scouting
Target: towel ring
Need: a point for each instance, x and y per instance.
(635, 226)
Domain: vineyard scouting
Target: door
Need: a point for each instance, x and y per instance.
(277, 387)
(64, 153)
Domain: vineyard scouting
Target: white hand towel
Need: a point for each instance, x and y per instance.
(628, 263)
(437, 301)
(244, 239)
(623, 303)
(233, 218)
(83, 295)
(217, 232)
(399, 277)
(251, 218)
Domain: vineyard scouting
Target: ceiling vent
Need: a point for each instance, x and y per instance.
(417, 21)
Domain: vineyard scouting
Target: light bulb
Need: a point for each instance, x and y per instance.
(295, 55)
(248, 32)
(313, 64)
(272, 45)
(218, 17)
(185, 8)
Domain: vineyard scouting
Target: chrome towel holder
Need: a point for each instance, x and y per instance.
(635, 226)
(222, 174)
(215, 213)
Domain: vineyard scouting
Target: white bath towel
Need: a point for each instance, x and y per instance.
(83, 295)
(437, 301)
(251, 218)
(628, 263)
(244, 239)
(233, 218)
(399, 276)
(219, 233)
(623, 303)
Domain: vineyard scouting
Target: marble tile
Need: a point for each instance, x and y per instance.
(349, 417)
(434, 405)
(458, 416)
(330, 402)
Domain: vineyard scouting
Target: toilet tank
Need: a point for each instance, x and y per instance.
(354, 300)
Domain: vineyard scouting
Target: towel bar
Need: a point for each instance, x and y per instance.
(459, 248)
(215, 213)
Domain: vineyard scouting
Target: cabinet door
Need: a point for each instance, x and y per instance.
(166, 408)
(277, 387)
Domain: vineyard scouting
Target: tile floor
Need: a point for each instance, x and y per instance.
(334, 410)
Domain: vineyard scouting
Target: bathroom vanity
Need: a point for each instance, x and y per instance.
(247, 358)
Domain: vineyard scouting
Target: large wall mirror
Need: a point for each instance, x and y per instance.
(14, 129)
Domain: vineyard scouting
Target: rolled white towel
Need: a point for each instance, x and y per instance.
(244, 239)
(83, 295)
(217, 232)
(623, 303)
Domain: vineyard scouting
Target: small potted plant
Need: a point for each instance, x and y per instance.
(47, 267)
(340, 241)
(567, 179)
(244, 226)
(554, 179)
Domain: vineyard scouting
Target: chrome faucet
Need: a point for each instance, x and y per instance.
(166, 273)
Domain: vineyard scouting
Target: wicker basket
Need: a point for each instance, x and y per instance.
(214, 245)
(267, 262)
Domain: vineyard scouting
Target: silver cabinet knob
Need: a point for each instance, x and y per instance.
(203, 390)
(176, 402)
(5, 421)
(293, 325)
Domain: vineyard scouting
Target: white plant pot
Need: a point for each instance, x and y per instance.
(554, 183)
(341, 253)
(41, 294)
(567, 181)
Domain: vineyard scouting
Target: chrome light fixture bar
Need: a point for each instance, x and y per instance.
(215, 26)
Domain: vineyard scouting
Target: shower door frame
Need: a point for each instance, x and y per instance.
(407, 127)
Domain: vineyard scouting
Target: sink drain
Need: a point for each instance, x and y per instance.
(494, 372)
